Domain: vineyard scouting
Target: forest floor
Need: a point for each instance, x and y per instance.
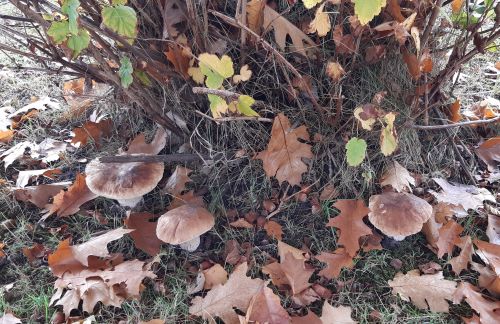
(233, 184)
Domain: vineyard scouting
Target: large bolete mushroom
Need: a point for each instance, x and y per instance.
(184, 225)
(125, 182)
(398, 215)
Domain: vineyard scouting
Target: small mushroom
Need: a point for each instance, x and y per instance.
(183, 226)
(125, 182)
(398, 215)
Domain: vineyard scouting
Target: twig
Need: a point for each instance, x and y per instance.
(430, 24)
(184, 157)
(223, 93)
(242, 118)
(446, 126)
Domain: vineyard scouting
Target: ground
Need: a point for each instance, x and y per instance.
(236, 184)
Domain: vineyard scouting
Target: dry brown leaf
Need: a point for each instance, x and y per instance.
(426, 63)
(283, 28)
(489, 152)
(397, 177)
(455, 115)
(334, 71)
(111, 286)
(321, 22)
(144, 234)
(6, 136)
(91, 132)
(334, 263)
(237, 292)
(336, 315)
(23, 177)
(69, 202)
(375, 53)
(310, 318)
(176, 183)
(371, 242)
(490, 254)
(273, 229)
(344, 44)
(296, 273)
(448, 237)
(284, 248)
(255, 15)
(241, 223)
(461, 262)
(80, 97)
(443, 212)
(489, 311)
(329, 192)
(493, 229)
(73, 258)
(456, 5)
(426, 291)
(179, 56)
(430, 267)
(215, 275)
(265, 307)
(245, 75)
(139, 146)
(469, 197)
(395, 10)
(283, 157)
(412, 64)
(350, 223)
(173, 13)
(487, 279)
(431, 232)
(277, 275)
(39, 195)
(37, 251)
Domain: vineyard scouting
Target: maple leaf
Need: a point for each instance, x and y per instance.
(321, 22)
(69, 202)
(336, 315)
(265, 307)
(489, 311)
(350, 223)
(469, 197)
(489, 152)
(397, 177)
(283, 157)
(144, 234)
(335, 262)
(448, 236)
(433, 289)
(237, 292)
(461, 261)
(296, 273)
(73, 258)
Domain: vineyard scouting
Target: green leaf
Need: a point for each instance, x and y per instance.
(77, 43)
(356, 151)
(218, 105)
(59, 31)
(143, 77)
(216, 70)
(366, 10)
(125, 72)
(245, 106)
(70, 9)
(122, 20)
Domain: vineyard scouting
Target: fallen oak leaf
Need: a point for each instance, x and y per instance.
(493, 229)
(296, 273)
(237, 292)
(461, 262)
(489, 311)
(350, 223)
(489, 253)
(424, 291)
(468, 197)
(489, 152)
(41, 194)
(91, 131)
(68, 202)
(397, 177)
(9, 318)
(448, 236)
(215, 275)
(176, 183)
(335, 261)
(144, 234)
(265, 307)
(336, 315)
(283, 156)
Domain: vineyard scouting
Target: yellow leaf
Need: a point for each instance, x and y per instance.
(218, 105)
(366, 10)
(196, 75)
(245, 74)
(321, 22)
(456, 5)
(388, 139)
(310, 3)
(334, 71)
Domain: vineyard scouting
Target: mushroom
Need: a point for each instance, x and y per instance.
(398, 215)
(125, 182)
(183, 226)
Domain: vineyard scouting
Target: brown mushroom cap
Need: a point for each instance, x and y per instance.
(122, 180)
(398, 214)
(183, 224)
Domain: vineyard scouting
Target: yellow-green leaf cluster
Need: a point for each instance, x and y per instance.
(366, 10)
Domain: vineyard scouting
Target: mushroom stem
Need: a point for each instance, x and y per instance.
(131, 203)
(191, 245)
